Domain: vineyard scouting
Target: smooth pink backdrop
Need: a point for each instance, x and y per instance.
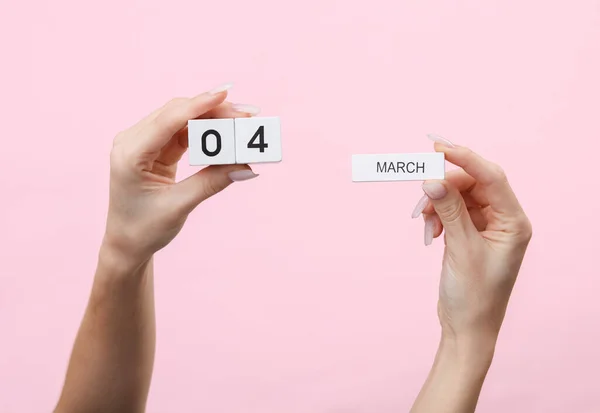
(301, 291)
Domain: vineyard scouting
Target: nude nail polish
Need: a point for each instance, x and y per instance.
(221, 88)
(429, 227)
(249, 109)
(440, 140)
(434, 190)
(243, 175)
(420, 206)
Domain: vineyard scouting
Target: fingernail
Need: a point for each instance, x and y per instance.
(440, 140)
(221, 88)
(242, 175)
(429, 227)
(420, 206)
(434, 190)
(249, 109)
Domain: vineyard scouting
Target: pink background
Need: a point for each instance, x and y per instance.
(301, 291)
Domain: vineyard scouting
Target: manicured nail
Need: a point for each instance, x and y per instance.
(242, 175)
(420, 206)
(434, 190)
(429, 227)
(221, 88)
(249, 109)
(440, 140)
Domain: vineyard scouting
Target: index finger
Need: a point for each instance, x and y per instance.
(488, 175)
(172, 118)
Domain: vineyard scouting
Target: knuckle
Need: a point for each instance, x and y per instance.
(521, 229)
(525, 228)
(212, 187)
(163, 117)
(175, 102)
(160, 119)
(450, 213)
(467, 153)
(120, 158)
(467, 156)
(116, 160)
(497, 173)
(119, 137)
(116, 154)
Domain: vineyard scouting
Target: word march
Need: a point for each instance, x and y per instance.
(401, 167)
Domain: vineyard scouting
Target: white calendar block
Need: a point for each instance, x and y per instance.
(211, 142)
(398, 167)
(257, 140)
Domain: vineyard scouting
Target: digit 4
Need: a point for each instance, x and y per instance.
(261, 145)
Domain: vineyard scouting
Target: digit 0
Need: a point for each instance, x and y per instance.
(217, 136)
(261, 145)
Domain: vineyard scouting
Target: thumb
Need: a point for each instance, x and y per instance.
(450, 207)
(207, 182)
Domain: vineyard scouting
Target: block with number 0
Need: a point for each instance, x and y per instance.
(257, 140)
(211, 142)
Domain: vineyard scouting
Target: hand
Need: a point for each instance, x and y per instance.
(486, 236)
(147, 207)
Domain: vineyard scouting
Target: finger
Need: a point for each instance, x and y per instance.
(174, 117)
(209, 181)
(174, 150)
(232, 110)
(461, 180)
(487, 174)
(467, 185)
(173, 102)
(179, 100)
(450, 207)
(134, 130)
(477, 216)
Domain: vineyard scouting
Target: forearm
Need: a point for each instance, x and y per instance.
(111, 363)
(456, 378)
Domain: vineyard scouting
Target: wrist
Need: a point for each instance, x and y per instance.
(473, 354)
(119, 279)
(116, 261)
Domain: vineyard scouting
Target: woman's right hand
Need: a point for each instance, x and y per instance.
(147, 206)
(486, 233)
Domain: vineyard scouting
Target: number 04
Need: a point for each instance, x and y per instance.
(260, 135)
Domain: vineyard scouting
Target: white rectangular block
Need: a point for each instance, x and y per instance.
(257, 140)
(398, 167)
(211, 142)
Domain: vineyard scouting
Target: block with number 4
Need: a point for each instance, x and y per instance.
(257, 140)
(230, 141)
